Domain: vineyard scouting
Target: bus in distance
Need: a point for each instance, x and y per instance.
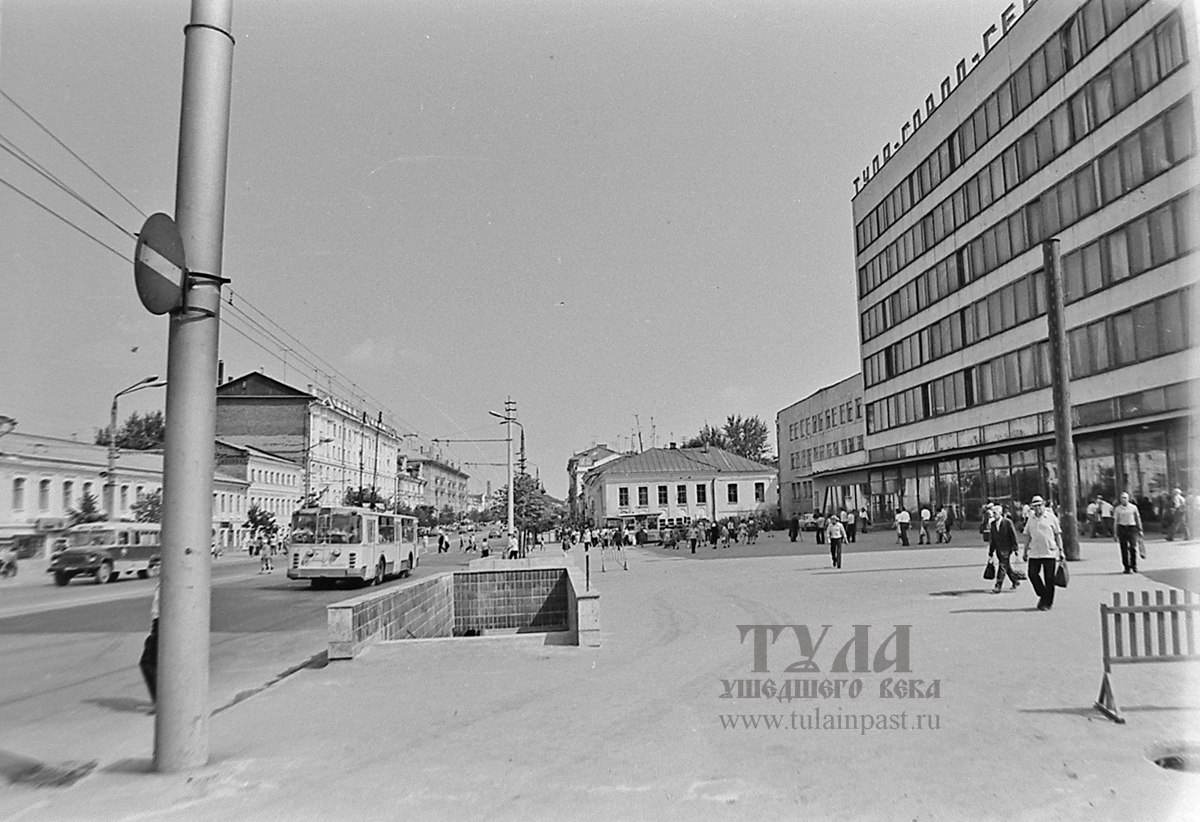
(333, 543)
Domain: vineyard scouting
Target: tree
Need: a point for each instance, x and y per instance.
(533, 510)
(140, 432)
(447, 516)
(148, 507)
(88, 511)
(748, 437)
(261, 523)
(708, 436)
(364, 498)
(745, 436)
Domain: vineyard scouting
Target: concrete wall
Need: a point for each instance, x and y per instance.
(529, 596)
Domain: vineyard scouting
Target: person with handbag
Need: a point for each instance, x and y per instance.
(1043, 551)
(1129, 532)
(1003, 542)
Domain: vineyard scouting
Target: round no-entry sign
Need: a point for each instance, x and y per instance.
(159, 265)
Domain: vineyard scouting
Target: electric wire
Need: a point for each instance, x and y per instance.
(67, 148)
(321, 366)
(20, 154)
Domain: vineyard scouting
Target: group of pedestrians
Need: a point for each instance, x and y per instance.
(1039, 541)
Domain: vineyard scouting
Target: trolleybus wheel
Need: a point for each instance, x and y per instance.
(104, 573)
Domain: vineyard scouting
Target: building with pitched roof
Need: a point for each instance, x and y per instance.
(678, 486)
(577, 467)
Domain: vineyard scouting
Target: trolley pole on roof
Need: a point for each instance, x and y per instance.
(181, 721)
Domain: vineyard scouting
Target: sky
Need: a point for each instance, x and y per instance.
(631, 218)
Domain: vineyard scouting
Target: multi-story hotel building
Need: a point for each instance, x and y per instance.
(822, 458)
(1078, 123)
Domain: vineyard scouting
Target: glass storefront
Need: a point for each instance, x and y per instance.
(1148, 462)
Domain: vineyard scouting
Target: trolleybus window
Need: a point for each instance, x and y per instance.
(304, 528)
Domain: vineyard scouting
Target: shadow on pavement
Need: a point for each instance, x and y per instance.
(122, 704)
(845, 557)
(21, 770)
(132, 765)
(994, 610)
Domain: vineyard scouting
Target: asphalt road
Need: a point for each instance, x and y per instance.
(70, 654)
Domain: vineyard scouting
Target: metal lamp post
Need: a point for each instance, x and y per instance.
(509, 417)
(308, 466)
(110, 485)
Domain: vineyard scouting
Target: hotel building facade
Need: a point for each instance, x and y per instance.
(1077, 124)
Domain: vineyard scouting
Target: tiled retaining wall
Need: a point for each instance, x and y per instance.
(496, 596)
(422, 610)
(525, 599)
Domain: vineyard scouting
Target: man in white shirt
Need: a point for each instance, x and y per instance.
(926, 517)
(1043, 551)
(1106, 517)
(903, 519)
(1129, 531)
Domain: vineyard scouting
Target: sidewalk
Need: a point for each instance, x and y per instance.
(486, 729)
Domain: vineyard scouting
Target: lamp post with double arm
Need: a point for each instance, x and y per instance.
(307, 453)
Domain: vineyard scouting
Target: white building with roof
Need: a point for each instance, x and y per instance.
(678, 485)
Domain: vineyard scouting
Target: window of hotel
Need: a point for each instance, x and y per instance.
(1145, 328)
(731, 493)
(623, 497)
(68, 494)
(701, 493)
(662, 495)
(1137, 236)
(18, 494)
(643, 496)
(44, 495)
(760, 492)
(1124, 351)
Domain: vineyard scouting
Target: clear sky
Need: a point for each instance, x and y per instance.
(601, 209)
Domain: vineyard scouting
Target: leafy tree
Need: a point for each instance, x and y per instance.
(88, 511)
(140, 432)
(747, 437)
(364, 497)
(261, 523)
(708, 436)
(447, 516)
(148, 507)
(533, 509)
(426, 516)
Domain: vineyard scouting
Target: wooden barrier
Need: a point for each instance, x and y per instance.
(1166, 630)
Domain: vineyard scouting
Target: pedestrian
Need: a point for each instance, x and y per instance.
(691, 537)
(939, 525)
(864, 521)
(743, 533)
(1178, 524)
(1106, 517)
(949, 522)
(923, 534)
(752, 530)
(794, 527)
(903, 520)
(714, 535)
(836, 533)
(265, 566)
(848, 522)
(724, 533)
(149, 659)
(1093, 517)
(1043, 551)
(821, 523)
(1002, 542)
(1129, 531)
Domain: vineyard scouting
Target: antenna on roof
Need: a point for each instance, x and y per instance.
(653, 434)
(638, 424)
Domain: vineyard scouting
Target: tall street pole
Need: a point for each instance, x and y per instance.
(1060, 385)
(181, 721)
(508, 421)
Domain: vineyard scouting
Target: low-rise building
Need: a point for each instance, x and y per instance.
(577, 467)
(679, 485)
(42, 479)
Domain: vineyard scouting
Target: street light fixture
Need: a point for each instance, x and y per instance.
(307, 454)
(110, 485)
(508, 418)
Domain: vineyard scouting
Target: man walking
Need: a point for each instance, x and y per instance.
(1129, 530)
(923, 534)
(903, 519)
(1043, 551)
(1179, 524)
(1002, 541)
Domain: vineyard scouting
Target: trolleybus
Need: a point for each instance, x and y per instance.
(341, 542)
